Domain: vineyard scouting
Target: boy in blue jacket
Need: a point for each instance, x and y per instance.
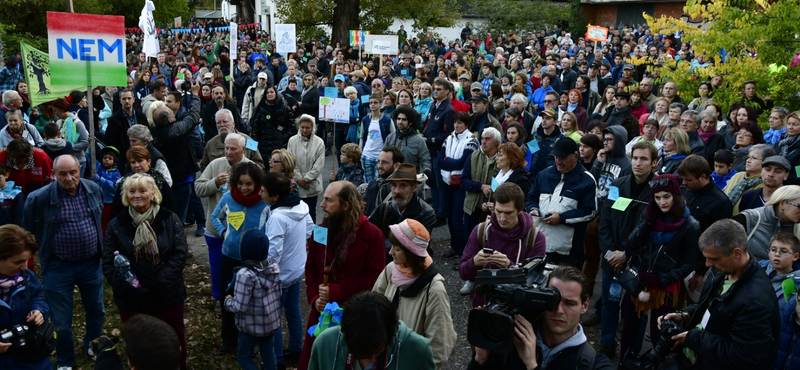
(107, 176)
(784, 251)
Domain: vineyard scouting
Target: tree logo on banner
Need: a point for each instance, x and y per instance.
(37, 66)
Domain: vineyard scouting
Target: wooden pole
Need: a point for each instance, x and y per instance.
(230, 78)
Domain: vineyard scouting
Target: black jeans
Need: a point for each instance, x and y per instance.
(230, 335)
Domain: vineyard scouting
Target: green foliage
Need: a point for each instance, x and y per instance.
(11, 40)
(375, 15)
(753, 38)
(166, 10)
(578, 23)
(504, 15)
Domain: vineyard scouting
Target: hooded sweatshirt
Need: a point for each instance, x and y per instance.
(617, 164)
(56, 147)
(226, 210)
(257, 288)
(288, 227)
(407, 350)
(777, 279)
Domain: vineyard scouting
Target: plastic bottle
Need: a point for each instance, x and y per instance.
(615, 291)
(124, 267)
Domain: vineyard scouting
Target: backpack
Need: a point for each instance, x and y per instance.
(483, 235)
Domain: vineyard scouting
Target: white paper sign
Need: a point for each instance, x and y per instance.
(336, 110)
(178, 23)
(381, 47)
(234, 29)
(286, 39)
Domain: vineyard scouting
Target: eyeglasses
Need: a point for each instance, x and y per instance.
(661, 182)
(779, 252)
(274, 161)
(744, 134)
(608, 139)
(550, 101)
(792, 203)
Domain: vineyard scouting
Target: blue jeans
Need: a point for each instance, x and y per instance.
(290, 304)
(438, 188)
(453, 204)
(214, 258)
(245, 352)
(609, 314)
(59, 280)
(182, 192)
(370, 168)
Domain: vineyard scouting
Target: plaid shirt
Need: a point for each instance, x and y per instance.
(257, 300)
(76, 236)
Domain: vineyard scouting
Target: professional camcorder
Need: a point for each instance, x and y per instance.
(515, 290)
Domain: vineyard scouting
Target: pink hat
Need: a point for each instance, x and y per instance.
(413, 236)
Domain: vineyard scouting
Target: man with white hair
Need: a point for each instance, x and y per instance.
(11, 101)
(476, 179)
(215, 147)
(566, 75)
(520, 101)
(213, 184)
(253, 95)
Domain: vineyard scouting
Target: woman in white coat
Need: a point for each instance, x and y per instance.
(309, 151)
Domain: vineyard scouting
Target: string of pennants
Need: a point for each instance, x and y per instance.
(194, 30)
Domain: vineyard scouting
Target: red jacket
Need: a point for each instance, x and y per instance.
(460, 106)
(37, 173)
(366, 259)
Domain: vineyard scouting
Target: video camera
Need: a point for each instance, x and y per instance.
(515, 290)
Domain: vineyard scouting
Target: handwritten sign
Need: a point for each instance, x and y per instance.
(251, 144)
(533, 145)
(621, 204)
(613, 193)
(595, 33)
(336, 110)
(236, 219)
(321, 234)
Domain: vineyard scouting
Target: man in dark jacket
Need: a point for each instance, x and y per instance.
(738, 312)
(558, 340)
(615, 227)
(120, 122)
(439, 125)
(378, 190)
(621, 114)
(221, 100)
(404, 204)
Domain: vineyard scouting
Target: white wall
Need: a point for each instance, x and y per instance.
(446, 33)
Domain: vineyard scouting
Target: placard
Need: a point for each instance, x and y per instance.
(86, 49)
(234, 39)
(178, 22)
(336, 110)
(596, 33)
(287, 41)
(381, 44)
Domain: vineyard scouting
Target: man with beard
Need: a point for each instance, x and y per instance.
(409, 142)
(215, 148)
(221, 100)
(253, 95)
(404, 204)
(120, 122)
(351, 258)
(378, 190)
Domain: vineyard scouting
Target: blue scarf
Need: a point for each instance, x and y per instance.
(354, 109)
(571, 107)
(774, 136)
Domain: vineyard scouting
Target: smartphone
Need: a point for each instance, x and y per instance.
(609, 254)
(488, 250)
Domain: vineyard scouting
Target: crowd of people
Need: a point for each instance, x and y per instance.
(523, 146)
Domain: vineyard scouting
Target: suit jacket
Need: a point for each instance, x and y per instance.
(567, 79)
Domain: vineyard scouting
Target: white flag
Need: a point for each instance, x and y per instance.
(234, 42)
(148, 26)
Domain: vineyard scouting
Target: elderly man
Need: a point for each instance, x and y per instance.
(670, 91)
(212, 184)
(563, 199)
(11, 101)
(404, 204)
(291, 73)
(120, 122)
(476, 179)
(354, 252)
(65, 218)
(171, 138)
(690, 122)
(215, 148)
(520, 101)
(253, 96)
(566, 75)
(220, 101)
(648, 98)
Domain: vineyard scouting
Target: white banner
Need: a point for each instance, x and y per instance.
(234, 40)
(148, 26)
(286, 38)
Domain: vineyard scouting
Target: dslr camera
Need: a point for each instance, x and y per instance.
(15, 335)
(510, 291)
(664, 345)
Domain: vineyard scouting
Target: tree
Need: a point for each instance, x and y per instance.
(504, 15)
(744, 39)
(374, 15)
(166, 10)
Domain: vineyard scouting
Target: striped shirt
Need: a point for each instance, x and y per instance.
(76, 237)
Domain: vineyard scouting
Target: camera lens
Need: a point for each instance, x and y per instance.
(495, 328)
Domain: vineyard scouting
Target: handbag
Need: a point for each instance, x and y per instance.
(629, 277)
(455, 180)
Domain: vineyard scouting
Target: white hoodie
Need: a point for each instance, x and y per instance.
(288, 228)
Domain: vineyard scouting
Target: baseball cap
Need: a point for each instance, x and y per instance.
(480, 97)
(548, 113)
(339, 78)
(628, 66)
(464, 76)
(476, 85)
(263, 75)
(208, 75)
(564, 147)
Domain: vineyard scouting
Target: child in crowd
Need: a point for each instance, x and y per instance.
(107, 176)
(723, 168)
(254, 296)
(784, 250)
(350, 168)
(375, 127)
(353, 131)
(12, 200)
(54, 144)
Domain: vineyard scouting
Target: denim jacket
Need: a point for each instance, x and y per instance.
(41, 215)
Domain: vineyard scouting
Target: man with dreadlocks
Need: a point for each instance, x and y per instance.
(348, 262)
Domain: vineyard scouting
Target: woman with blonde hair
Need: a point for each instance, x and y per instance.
(569, 127)
(282, 161)
(674, 151)
(779, 214)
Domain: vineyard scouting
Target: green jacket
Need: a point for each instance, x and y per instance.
(408, 350)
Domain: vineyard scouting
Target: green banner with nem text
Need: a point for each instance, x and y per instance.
(37, 75)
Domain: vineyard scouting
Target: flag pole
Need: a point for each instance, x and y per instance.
(89, 98)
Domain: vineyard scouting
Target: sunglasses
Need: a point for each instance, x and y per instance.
(661, 182)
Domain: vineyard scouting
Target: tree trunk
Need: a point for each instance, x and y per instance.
(345, 18)
(247, 11)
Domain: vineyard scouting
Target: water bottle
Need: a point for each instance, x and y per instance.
(124, 267)
(615, 291)
(223, 188)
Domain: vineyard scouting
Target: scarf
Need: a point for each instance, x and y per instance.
(707, 135)
(246, 200)
(736, 193)
(571, 107)
(354, 109)
(402, 276)
(503, 177)
(664, 230)
(15, 135)
(615, 115)
(7, 284)
(305, 91)
(787, 144)
(773, 136)
(144, 239)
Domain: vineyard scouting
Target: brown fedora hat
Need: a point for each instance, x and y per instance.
(405, 172)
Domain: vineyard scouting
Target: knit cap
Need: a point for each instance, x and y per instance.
(413, 236)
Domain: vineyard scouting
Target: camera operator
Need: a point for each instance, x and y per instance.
(741, 328)
(21, 296)
(558, 342)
